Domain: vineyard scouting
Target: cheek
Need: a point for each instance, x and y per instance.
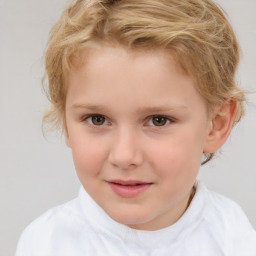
(88, 156)
(178, 156)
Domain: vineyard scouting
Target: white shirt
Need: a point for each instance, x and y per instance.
(212, 226)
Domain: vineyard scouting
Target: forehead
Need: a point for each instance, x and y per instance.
(109, 59)
(140, 77)
(95, 53)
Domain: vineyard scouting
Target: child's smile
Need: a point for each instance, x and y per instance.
(129, 188)
(137, 128)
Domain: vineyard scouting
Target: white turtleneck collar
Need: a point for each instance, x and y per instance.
(99, 219)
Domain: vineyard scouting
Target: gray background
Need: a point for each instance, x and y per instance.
(38, 173)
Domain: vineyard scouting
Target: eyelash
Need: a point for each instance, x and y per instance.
(167, 120)
(88, 119)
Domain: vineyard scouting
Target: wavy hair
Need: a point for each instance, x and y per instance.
(196, 32)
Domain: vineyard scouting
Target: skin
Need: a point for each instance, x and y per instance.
(126, 90)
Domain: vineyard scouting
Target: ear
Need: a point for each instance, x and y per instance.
(220, 127)
(66, 136)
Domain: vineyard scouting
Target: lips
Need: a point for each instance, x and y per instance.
(129, 188)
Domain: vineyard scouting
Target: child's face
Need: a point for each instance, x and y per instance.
(137, 128)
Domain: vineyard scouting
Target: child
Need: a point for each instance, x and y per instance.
(142, 89)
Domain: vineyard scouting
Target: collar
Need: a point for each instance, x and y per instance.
(100, 221)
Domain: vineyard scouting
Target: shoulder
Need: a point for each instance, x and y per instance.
(43, 232)
(228, 223)
(58, 215)
(226, 211)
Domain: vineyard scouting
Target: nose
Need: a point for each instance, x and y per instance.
(126, 150)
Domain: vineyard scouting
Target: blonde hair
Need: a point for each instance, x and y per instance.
(196, 32)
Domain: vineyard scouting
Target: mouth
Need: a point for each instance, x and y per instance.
(129, 188)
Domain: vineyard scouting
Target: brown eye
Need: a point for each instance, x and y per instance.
(159, 120)
(97, 120)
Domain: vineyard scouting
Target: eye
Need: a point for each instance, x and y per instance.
(96, 120)
(159, 121)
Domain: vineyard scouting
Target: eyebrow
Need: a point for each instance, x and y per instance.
(88, 106)
(150, 109)
(160, 108)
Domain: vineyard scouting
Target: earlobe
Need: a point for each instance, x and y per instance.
(220, 127)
